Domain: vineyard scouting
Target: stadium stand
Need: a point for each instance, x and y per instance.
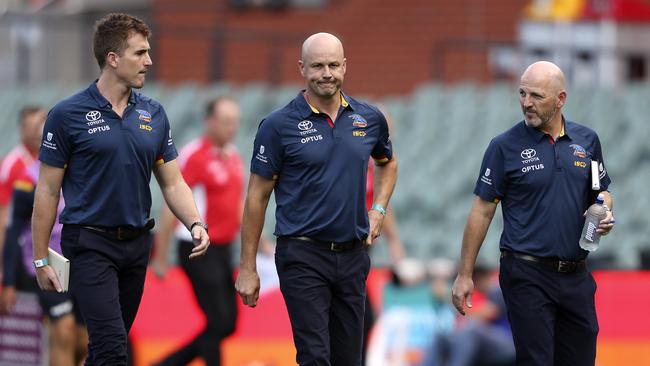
(441, 133)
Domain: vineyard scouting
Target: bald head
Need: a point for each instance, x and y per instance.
(542, 95)
(322, 64)
(545, 74)
(320, 43)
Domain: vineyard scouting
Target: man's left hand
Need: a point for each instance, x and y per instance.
(376, 222)
(606, 225)
(201, 241)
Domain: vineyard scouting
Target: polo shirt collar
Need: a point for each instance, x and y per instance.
(103, 102)
(570, 129)
(538, 135)
(307, 109)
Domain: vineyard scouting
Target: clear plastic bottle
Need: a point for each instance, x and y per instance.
(590, 239)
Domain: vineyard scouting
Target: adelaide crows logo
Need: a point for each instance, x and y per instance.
(358, 121)
(144, 115)
(579, 151)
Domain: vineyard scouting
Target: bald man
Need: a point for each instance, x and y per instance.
(540, 172)
(313, 154)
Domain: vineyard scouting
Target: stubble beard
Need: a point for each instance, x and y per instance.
(326, 93)
(541, 120)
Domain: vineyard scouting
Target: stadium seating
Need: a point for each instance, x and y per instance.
(440, 135)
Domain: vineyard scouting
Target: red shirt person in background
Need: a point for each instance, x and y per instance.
(31, 119)
(212, 167)
(389, 232)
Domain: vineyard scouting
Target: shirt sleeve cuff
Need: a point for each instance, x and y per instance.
(265, 173)
(55, 162)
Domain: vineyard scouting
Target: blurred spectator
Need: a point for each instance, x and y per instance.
(389, 231)
(440, 271)
(415, 311)
(67, 333)
(212, 168)
(31, 119)
(269, 279)
(484, 339)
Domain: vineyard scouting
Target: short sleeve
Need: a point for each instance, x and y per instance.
(602, 170)
(382, 152)
(267, 150)
(8, 174)
(490, 185)
(167, 150)
(56, 145)
(190, 168)
(5, 192)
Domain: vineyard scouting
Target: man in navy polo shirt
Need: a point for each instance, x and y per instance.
(101, 146)
(540, 172)
(314, 154)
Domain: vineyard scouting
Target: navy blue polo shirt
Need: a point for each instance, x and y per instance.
(544, 187)
(108, 160)
(321, 167)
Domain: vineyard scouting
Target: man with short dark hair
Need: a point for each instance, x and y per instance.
(101, 146)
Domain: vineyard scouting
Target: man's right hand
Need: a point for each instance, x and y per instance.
(7, 299)
(461, 293)
(248, 286)
(47, 279)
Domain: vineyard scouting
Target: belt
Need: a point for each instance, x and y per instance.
(329, 245)
(121, 232)
(555, 264)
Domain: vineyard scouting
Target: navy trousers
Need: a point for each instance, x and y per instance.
(552, 314)
(107, 280)
(325, 294)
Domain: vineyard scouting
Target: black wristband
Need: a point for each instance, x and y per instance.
(199, 223)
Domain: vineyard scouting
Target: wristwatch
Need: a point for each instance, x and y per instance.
(38, 263)
(199, 223)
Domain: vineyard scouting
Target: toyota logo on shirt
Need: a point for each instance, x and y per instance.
(528, 154)
(93, 116)
(305, 125)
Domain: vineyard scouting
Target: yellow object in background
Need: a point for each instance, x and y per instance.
(555, 10)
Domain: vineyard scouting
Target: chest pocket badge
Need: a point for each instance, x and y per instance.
(359, 122)
(145, 117)
(579, 152)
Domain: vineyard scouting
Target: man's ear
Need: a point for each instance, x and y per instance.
(561, 99)
(301, 68)
(111, 59)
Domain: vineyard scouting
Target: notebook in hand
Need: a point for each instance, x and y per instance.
(61, 267)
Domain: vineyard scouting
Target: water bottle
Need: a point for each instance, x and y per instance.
(595, 213)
